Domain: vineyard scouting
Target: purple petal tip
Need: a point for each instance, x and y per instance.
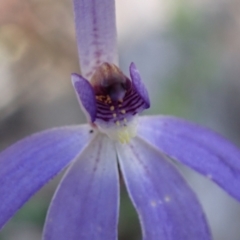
(85, 94)
(138, 84)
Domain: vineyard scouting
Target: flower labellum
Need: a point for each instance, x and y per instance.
(86, 203)
(115, 100)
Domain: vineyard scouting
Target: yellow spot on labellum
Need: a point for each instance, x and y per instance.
(115, 115)
(123, 111)
(107, 100)
(124, 136)
(99, 98)
(112, 108)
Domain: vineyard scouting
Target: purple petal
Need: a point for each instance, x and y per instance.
(197, 147)
(96, 34)
(138, 85)
(86, 203)
(166, 206)
(29, 164)
(85, 95)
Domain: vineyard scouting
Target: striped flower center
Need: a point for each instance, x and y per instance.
(118, 103)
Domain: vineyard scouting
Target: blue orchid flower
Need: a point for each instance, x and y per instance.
(115, 140)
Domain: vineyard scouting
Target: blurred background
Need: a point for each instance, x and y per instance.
(188, 53)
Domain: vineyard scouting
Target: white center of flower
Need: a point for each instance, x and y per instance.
(122, 131)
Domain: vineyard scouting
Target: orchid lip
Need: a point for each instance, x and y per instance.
(112, 101)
